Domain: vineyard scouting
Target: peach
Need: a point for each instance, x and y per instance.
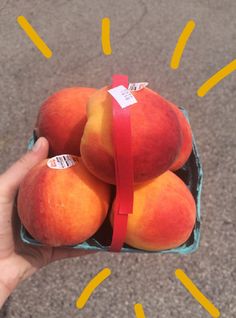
(186, 132)
(62, 118)
(164, 214)
(62, 206)
(156, 136)
(186, 147)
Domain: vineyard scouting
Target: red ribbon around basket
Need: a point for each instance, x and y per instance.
(122, 144)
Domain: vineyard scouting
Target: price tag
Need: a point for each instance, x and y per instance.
(62, 162)
(137, 86)
(123, 96)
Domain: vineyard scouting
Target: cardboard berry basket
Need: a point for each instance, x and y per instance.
(191, 173)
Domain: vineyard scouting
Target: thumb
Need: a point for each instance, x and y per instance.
(11, 179)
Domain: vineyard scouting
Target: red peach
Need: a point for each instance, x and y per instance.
(156, 136)
(62, 206)
(164, 214)
(187, 141)
(62, 118)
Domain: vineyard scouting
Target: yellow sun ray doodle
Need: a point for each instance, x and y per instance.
(94, 283)
(106, 46)
(196, 293)
(34, 37)
(180, 46)
(138, 309)
(216, 78)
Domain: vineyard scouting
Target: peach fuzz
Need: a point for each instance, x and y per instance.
(62, 207)
(62, 118)
(156, 136)
(164, 214)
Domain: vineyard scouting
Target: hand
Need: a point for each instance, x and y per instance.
(17, 260)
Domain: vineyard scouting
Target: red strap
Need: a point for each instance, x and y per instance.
(123, 167)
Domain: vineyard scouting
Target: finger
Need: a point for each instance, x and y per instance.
(11, 179)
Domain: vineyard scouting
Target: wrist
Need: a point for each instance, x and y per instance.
(12, 272)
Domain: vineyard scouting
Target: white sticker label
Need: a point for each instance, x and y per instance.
(137, 86)
(123, 96)
(62, 162)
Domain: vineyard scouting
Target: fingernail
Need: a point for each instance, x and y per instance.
(37, 145)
